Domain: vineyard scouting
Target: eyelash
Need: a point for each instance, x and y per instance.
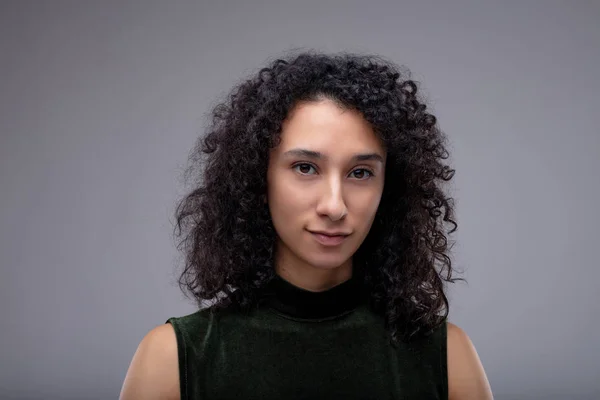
(371, 174)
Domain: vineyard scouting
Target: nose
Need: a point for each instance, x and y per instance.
(331, 203)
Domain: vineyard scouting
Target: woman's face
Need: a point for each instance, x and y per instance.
(326, 175)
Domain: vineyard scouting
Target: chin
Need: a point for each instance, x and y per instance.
(326, 262)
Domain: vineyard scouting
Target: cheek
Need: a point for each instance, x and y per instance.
(366, 207)
(286, 202)
(287, 191)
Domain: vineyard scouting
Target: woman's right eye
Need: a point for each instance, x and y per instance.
(304, 168)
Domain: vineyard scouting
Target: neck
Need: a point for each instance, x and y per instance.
(297, 303)
(310, 277)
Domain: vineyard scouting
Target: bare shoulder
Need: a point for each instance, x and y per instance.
(154, 369)
(466, 377)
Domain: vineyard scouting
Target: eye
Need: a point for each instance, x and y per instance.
(361, 173)
(303, 168)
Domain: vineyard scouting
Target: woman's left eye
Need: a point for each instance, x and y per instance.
(362, 171)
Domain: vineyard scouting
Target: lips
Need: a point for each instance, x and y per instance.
(330, 233)
(328, 240)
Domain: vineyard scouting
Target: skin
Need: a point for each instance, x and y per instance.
(306, 193)
(331, 191)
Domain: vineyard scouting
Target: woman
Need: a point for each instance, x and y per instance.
(316, 247)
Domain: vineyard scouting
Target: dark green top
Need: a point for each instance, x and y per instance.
(299, 344)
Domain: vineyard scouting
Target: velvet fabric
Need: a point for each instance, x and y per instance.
(298, 344)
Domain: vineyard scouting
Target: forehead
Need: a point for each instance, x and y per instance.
(326, 127)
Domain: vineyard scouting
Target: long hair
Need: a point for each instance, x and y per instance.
(224, 226)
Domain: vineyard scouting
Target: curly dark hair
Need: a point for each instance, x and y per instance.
(225, 227)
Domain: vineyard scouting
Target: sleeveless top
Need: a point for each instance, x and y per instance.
(298, 344)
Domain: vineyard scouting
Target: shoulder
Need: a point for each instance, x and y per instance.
(154, 372)
(466, 376)
(194, 321)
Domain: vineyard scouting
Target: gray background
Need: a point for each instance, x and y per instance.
(100, 103)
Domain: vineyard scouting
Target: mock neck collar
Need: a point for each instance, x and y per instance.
(298, 303)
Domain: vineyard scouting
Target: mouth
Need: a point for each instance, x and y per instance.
(329, 240)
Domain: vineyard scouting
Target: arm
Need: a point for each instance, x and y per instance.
(154, 369)
(466, 377)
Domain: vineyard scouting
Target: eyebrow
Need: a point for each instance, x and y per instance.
(320, 156)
